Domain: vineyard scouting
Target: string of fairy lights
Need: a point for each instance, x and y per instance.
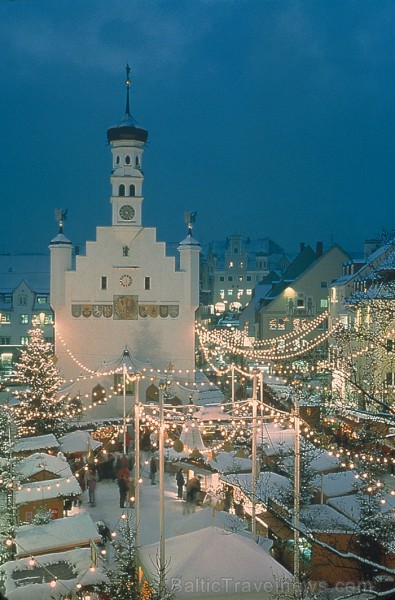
(214, 344)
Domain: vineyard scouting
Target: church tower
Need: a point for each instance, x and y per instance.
(127, 146)
(125, 291)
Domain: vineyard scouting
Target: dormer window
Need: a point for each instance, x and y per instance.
(121, 191)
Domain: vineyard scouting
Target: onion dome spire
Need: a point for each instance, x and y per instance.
(127, 129)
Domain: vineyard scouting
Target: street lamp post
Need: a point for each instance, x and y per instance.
(162, 559)
(124, 372)
(296, 496)
(254, 455)
(137, 460)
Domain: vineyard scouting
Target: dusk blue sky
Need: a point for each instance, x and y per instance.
(269, 118)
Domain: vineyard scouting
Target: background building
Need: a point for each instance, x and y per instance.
(231, 268)
(24, 299)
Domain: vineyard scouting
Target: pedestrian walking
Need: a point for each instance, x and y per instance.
(123, 491)
(92, 479)
(152, 470)
(228, 499)
(192, 494)
(180, 483)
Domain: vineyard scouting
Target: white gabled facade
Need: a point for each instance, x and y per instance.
(125, 292)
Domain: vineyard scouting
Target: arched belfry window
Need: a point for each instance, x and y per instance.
(127, 160)
(121, 190)
(132, 190)
(137, 161)
(117, 160)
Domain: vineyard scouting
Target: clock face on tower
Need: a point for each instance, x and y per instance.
(126, 212)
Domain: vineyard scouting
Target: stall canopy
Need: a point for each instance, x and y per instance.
(218, 565)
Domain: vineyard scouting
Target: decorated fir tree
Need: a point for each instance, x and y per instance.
(5, 425)
(8, 485)
(40, 409)
(123, 578)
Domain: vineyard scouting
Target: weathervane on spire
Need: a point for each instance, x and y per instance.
(190, 218)
(60, 217)
(128, 84)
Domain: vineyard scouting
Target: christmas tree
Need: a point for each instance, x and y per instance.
(7, 487)
(40, 409)
(123, 577)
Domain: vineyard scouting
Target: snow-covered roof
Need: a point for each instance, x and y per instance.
(274, 439)
(322, 461)
(322, 518)
(79, 562)
(40, 461)
(212, 412)
(337, 484)
(217, 565)
(44, 490)
(207, 517)
(78, 441)
(209, 395)
(35, 443)
(56, 535)
(31, 268)
(228, 462)
(349, 506)
(269, 485)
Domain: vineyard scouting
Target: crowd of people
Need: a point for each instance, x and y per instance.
(118, 467)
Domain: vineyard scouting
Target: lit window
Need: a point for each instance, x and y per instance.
(272, 324)
(48, 319)
(24, 319)
(230, 292)
(24, 340)
(281, 324)
(230, 264)
(240, 277)
(5, 318)
(42, 299)
(249, 292)
(324, 303)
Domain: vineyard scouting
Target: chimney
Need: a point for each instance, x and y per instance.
(319, 249)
